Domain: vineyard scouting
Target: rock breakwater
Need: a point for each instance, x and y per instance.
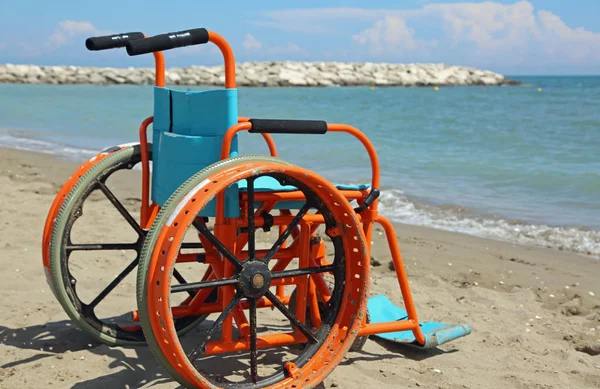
(264, 74)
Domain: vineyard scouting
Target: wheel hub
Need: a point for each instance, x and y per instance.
(255, 279)
(258, 281)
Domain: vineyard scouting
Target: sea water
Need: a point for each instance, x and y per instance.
(520, 164)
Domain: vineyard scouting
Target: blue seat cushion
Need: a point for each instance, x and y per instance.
(269, 184)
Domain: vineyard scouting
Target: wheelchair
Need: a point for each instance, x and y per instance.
(277, 259)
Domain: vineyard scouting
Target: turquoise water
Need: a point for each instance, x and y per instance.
(510, 163)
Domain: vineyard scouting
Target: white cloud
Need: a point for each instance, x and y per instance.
(578, 44)
(391, 34)
(69, 29)
(517, 30)
(487, 32)
(253, 45)
(487, 25)
(250, 43)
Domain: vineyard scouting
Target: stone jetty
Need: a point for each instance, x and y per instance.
(270, 74)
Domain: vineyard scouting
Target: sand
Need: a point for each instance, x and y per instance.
(535, 323)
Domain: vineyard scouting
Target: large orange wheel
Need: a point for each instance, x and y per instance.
(244, 280)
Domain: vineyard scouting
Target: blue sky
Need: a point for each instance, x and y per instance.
(512, 37)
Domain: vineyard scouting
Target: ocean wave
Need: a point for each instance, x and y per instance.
(395, 205)
(20, 141)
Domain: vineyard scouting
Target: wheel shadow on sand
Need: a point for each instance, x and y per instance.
(59, 339)
(142, 370)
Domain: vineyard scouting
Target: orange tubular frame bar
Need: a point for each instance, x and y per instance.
(228, 58)
(367, 217)
(159, 65)
(245, 125)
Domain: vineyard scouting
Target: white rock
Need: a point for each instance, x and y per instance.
(172, 77)
(487, 80)
(97, 79)
(8, 78)
(325, 82)
(292, 77)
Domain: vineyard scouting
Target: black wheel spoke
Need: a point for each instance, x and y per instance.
(253, 356)
(201, 227)
(201, 348)
(302, 272)
(90, 307)
(179, 277)
(101, 246)
(113, 199)
(182, 281)
(251, 232)
(293, 224)
(195, 286)
(291, 317)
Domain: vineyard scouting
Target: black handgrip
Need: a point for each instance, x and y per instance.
(168, 41)
(272, 126)
(111, 41)
(372, 196)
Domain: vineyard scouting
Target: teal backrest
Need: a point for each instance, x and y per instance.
(188, 132)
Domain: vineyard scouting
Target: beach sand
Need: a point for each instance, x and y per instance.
(534, 312)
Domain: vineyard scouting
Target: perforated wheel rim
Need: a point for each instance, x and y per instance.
(349, 316)
(150, 242)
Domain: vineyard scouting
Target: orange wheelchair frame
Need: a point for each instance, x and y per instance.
(239, 271)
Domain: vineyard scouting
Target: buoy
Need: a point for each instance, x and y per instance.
(539, 89)
(435, 88)
(372, 88)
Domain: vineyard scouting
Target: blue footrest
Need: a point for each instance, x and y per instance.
(381, 310)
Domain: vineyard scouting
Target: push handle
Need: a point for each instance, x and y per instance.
(167, 41)
(272, 126)
(111, 41)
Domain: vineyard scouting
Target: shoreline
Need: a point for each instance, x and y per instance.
(534, 312)
(579, 240)
(264, 74)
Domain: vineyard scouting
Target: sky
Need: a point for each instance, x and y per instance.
(517, 37)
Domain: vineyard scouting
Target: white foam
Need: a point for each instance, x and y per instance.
(396, 206)
(14, 141)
